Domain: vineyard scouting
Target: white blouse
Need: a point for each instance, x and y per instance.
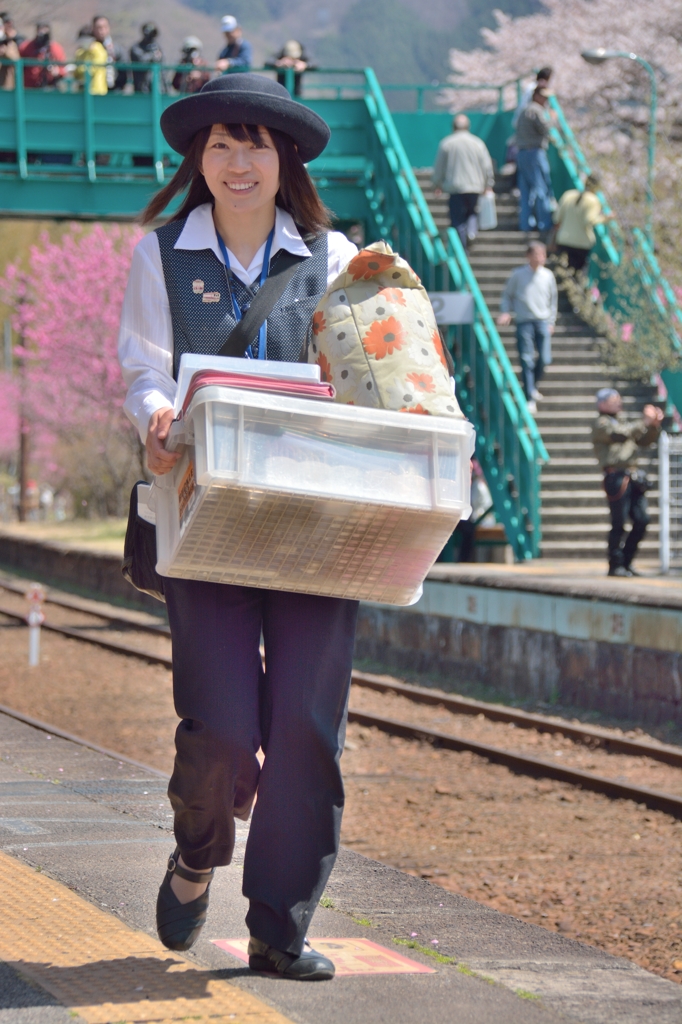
(145, 341)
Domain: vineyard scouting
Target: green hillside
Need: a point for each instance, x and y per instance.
(388, 35)
(410, 51)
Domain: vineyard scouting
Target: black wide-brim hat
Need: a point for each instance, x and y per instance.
(244, 98)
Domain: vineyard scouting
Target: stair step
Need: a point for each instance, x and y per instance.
(575, 517)
(585, 531)
(580, 515)
(590, 550)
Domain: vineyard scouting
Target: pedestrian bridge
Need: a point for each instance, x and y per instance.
(76, 155)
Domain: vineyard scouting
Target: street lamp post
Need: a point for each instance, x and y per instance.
(600, 55)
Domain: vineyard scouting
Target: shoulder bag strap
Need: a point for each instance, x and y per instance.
(243, 333)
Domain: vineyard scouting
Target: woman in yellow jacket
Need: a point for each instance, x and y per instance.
(575, 217)
(92, 52)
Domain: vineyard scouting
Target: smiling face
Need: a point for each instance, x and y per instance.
(242, 176)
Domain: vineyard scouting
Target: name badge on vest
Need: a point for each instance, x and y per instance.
(210, 297)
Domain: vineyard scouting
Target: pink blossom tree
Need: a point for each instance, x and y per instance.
(9, 415)
(68, 387)
(607, 105)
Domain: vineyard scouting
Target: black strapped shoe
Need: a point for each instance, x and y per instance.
(309, 966)
(179, 924)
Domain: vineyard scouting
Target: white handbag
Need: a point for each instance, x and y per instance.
(487, 212)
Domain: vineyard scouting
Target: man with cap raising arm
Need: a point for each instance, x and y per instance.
(237, 54)
(616, 442)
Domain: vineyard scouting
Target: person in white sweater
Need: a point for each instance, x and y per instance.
(530, 294)
(464, 169)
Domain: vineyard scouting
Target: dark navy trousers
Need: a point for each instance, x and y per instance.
(295, 711)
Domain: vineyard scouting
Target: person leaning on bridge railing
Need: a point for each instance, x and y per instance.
(292, 55)
(616, 442)
(237, 54)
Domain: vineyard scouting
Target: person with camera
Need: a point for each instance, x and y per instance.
(146, 51)
(196, 73)
(617, 441)
(43, 48)
(9, 52)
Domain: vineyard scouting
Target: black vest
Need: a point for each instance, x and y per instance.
(201, 308)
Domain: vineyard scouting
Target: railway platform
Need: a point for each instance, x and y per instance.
(84, 836)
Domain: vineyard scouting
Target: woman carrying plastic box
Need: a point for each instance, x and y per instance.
(249, 200)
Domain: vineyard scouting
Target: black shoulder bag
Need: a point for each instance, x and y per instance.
(139, 549)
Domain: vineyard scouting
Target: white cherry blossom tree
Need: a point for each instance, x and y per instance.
(607, 105)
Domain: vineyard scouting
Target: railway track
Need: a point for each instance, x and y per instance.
(522, 763)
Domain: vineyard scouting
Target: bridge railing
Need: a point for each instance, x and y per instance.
(508, 445)
(62, 127)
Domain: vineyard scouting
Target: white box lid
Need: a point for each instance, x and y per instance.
(191, 363)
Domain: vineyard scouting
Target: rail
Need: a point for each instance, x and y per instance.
(508, 444)
(615, 788)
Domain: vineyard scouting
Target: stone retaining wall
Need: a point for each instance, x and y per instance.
(629, 682)
(616, 659)
(89, 573)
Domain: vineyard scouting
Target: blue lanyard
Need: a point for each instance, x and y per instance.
(263, 332)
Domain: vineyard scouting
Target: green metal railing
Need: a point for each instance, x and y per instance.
(508, 442)
(651, 289)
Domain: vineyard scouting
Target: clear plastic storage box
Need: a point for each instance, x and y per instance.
(310, 496)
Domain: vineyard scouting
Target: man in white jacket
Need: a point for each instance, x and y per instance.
(464, 169)
(531, 295)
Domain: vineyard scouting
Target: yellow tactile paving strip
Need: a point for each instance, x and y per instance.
(102, 970)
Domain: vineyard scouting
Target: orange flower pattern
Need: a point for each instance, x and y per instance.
(416, 408)
(438, 345)
(422, 382)
(319, 322)
(392, 295)
(384, 337)
(325, 368)
(368, 264)
(376, 325)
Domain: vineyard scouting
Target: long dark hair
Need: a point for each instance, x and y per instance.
(297, 193)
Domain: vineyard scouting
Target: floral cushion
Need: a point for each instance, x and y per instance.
(374, 337)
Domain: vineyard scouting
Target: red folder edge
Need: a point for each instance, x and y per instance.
(251, 382)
